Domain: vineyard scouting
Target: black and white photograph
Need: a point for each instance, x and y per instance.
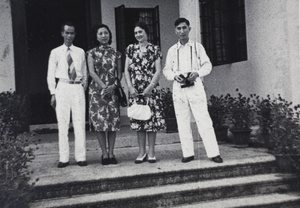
(149, 104)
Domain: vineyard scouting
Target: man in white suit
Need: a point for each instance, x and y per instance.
(186, 63)
(67, 64)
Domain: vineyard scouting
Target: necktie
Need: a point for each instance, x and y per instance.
(71, 69)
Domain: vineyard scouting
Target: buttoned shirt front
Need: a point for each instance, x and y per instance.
(58, 65)
(186, 58)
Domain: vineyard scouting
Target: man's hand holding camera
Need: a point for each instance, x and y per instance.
(192, 76)
(186, 80)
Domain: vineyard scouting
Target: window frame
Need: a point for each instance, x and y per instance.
(223, 30)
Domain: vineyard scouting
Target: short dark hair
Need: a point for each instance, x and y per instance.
(95, 31)
(142, 25)
(181, 20)
(69, 24)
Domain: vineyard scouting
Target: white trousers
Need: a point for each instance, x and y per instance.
(71, 98)
(193, 100)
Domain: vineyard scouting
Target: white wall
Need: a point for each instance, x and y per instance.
(7, 72)
(294, 55)
(189, 9)
(273, 53)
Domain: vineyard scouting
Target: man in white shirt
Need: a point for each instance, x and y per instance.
(67, 64)
(186, 64)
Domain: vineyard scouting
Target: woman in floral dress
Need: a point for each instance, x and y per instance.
(142, 73)
(104, 65)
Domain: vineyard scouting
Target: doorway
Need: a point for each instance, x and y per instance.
(126, 18)
(43, 19)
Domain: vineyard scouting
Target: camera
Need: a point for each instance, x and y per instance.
(186, 82)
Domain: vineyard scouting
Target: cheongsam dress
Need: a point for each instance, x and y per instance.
(104, 111)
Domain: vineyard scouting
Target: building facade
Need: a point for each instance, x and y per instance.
(31, 28)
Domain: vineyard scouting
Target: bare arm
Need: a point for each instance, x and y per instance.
(93, 74)
(155, 79)
(120, 74)
(133, 92)
(84, 72)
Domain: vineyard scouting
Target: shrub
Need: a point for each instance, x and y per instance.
(167, 98)
(242, 112)
(15, 153)
(284, 128)
(280, 128)
(218, 110)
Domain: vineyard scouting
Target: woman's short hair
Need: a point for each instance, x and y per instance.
(142, 25)
(95, 31)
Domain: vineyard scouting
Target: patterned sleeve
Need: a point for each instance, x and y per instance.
(128, 51)
(90, 53)
(118, 54)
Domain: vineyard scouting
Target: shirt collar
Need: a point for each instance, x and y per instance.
(189, 43)
(66, 47)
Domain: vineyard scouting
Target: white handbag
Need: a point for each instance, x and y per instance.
(139, 112)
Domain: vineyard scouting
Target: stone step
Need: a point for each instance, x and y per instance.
(274, 200)
(95, 178)
(178, 194)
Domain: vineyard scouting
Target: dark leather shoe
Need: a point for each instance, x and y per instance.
(104, 161)
(82, 163)
(217, 159)
(113, 161)
(187, 159)
(62, 164)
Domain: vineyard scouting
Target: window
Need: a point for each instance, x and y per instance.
(125, 21)
(223, 30)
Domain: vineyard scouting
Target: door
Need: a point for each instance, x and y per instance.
(43, 19)
(126, 18)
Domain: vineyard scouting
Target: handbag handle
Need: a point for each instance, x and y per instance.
(147, 100)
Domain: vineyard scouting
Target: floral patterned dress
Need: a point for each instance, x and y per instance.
(142, 70)
(104, 111)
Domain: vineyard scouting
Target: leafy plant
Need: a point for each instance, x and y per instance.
(284, 128)
(218, 110)
(242, 112)
(167, 98)
(280, 129)
(263, 115)
(15, 153)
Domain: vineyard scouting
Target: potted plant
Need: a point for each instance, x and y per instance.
(169, 111)
(284, 134)
(242, 117)
(263, 115)
(219, 113)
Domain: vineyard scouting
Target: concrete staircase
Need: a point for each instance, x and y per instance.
(247, 178)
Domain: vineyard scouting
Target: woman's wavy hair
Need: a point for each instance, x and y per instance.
(95, 30)
(142, 25)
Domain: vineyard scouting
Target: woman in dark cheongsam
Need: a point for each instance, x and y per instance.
(142, 73)
(104, 66)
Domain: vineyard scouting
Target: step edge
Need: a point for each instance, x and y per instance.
(251, 200)
(175, 188)
(269, 161)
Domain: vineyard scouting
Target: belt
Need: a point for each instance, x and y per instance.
(70, 81)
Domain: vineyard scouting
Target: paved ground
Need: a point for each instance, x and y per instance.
(168, 153)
